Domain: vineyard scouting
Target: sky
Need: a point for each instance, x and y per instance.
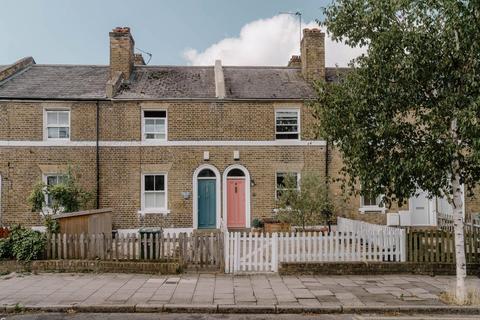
(180, 32)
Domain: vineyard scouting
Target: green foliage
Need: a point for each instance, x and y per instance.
(36, 199)
(51, 224)
(66, 196)
(307, 205)
(5, 249)
(408, 114)
(257, 223)
(22, 244)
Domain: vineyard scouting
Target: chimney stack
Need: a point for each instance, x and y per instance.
(121, 52)
(313, 54)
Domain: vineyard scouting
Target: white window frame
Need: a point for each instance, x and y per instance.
(143, 124)
(144, 210)
(286, 173)
(47, 208)
(369, 208)
(299, 129)
(45, 125)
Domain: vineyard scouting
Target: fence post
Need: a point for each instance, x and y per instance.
(226, 251)
(275, 252)
(403, 245)
(236, 253)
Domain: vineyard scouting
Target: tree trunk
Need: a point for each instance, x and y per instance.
(459, 239)
(458, 225)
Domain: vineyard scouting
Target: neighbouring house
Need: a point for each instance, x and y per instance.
(184, 147)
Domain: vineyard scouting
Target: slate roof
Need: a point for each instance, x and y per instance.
(160, 82)
(179, 82)
(265, 83)
(57, 81)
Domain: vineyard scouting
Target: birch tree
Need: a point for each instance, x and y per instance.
(406, 117)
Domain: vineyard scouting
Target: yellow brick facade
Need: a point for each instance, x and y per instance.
(121, 166)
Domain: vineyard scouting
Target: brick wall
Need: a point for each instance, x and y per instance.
(121, 167)
(369, 268)
(121, 121)
(22, 167)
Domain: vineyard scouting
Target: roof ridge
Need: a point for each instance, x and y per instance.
(261, 67)
(71, 65)
(170, 66)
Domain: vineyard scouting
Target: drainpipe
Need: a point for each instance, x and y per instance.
(326, 160)
(97, 154)
(327, 184)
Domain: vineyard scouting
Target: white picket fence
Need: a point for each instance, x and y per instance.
(254, 252)
(388, 238)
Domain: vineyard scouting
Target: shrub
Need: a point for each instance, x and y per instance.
(305, 203)
(257, 223)
(5, 249)
(26, 244)
(66, 196)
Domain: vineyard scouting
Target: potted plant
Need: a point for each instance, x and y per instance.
(276, 225)
(257, 225)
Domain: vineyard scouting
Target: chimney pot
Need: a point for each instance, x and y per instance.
(139, 61)
(295, 61)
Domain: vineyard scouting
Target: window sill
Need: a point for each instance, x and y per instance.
(154, 211)
(154, 140)
(363, 210)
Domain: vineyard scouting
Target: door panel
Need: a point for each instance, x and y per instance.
(420, 210)
(236, 215)
(207, 208)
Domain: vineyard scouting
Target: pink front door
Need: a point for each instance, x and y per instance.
(236, 203)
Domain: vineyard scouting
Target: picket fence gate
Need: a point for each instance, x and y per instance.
(254, 252)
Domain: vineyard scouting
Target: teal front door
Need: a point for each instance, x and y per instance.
(207, 209)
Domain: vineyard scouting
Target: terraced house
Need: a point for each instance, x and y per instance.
(184, 147)
(173, 146)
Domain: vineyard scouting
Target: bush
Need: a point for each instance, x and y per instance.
(257, 223)
(26, 244)
(305, 203)
(5, 249)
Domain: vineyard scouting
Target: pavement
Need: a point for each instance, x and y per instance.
(219, 293)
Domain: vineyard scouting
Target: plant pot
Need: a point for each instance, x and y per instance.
(277, 227)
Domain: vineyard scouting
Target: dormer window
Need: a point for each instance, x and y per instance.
(287, 124)
(154, 125)
(57, 124)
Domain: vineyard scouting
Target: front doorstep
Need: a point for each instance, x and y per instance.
(239, 230)
(206, 231)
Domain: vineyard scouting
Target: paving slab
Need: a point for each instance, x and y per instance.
(244, 291)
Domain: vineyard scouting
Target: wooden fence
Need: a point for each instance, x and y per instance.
(193, 250)
(445, 221)
(439, 245)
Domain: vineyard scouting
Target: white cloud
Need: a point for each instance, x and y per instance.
(268, 42)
